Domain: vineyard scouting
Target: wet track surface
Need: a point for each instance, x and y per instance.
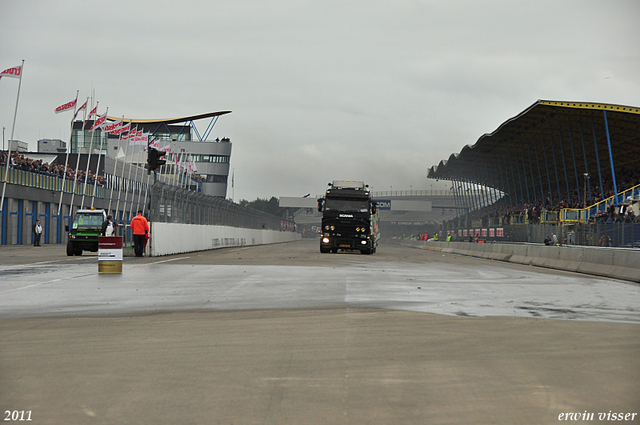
(285, 335)
(400, 279)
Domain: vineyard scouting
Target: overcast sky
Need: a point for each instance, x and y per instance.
(320, 90)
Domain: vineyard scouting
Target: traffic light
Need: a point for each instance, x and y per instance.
(155, 160)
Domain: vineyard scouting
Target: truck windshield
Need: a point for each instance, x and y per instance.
(88, 220)
(346, 204)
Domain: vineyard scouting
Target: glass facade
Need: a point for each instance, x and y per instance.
(81, 141)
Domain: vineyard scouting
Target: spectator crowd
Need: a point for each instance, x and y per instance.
(20, 162)
(531, 212)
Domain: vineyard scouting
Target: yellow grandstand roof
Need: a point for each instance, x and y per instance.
(171, 120)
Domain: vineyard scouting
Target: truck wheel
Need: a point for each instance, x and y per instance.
(324, 250)
(78, 252)
(70, 250)
(367, 251)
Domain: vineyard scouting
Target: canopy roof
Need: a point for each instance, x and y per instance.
(549, 147)
(171, 120)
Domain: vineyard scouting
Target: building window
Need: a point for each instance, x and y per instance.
(214, 178)
(217, 159)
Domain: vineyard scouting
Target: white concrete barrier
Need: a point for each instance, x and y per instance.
(620, 263)
(173, 238)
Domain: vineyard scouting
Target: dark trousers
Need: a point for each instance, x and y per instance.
(138, 244)
(36, 239)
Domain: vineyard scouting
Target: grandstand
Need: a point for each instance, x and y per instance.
(564, 167)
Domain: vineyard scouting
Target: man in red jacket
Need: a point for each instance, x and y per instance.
(140, 228)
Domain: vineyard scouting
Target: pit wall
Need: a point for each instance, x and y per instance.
(172, 238)
(619, 263)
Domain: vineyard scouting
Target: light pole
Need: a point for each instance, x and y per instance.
(586, 176)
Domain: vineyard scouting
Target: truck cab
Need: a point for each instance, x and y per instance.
(85, 231)
(349, 218)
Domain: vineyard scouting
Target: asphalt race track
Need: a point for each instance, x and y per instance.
(282, 334)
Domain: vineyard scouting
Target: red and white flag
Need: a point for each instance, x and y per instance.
(12, 72)
(84, 106)
(99, 122)
(155, 144)
(123, 129)
(67, 106)
(112, 127)
(93, 112)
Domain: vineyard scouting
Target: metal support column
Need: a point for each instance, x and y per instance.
(546, 162)
(595, 142)
(555, 167)
(540, 177)
(613, 172)
(526, 182)
(505, 188)
(575, 166)
(564, 166)
(533, 180)
(586, 165)
(485, 194)
(519, 180)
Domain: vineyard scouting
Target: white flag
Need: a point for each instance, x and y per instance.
(12, 72)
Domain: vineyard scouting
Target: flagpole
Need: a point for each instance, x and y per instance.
(126, 195)
(13, 127)
(66, 161)
(138, 168)
(84, 189)
(73, 194)
(190, 170)
(146, 193)
(174, 158)
(115, 169)
(124, 164)
(95, 181)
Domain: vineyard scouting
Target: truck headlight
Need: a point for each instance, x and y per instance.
(325, 240)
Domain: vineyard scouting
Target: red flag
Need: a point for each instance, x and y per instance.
(12, 72)
(67, 106)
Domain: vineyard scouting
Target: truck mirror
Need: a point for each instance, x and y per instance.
(373, 207)
(320, 204)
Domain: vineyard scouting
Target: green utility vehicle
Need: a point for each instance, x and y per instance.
(85, 230)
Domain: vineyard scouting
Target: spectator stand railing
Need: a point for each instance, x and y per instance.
(518, 219)
(43, 181)
(630, 195)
